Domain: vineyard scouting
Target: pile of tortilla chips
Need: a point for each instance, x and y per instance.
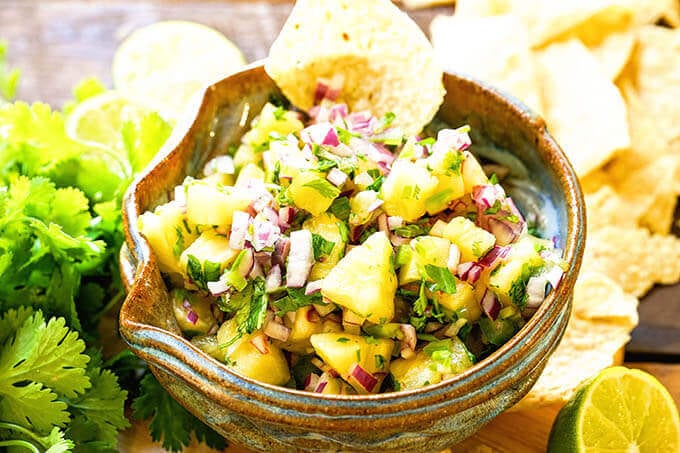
(605, 74)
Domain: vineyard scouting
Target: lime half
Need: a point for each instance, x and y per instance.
(164, 64)
(98, 120)
(618, 411)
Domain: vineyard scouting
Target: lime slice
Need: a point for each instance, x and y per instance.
(618, 411)
(164, 64)
(98, 120)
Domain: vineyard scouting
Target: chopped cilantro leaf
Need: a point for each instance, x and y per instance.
(411, 231)
(379, 361)
(326, 164)
(325, 188)
(295, 299)
(322, 246)
(427, 141)
(493, 179)
(420, 303)
(342, 340)
(279, 113)
(518, 288)
(340, 208)
(344, 135)
(477, 249)
(376, 184)
(371, 340)
(454, 160)
(343, 229)
(442, 277)
(493, 209)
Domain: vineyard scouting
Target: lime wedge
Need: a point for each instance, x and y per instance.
(618, 411)
(166, 63)
(98, 120)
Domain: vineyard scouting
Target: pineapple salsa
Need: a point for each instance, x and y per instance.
(335, 255)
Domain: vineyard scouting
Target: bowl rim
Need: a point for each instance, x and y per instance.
(140, 336)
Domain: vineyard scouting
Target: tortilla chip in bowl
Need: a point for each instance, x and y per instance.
(271, 418)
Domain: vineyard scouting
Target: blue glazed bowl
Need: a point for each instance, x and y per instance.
(269, 418)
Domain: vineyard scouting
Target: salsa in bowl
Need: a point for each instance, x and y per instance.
(428, 414)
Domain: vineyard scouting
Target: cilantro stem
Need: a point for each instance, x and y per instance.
(20, 443)
(22, 430)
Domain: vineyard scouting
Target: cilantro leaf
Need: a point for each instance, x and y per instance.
(376, 184)
(321, 246)
(295, 299)
(170, 422)
(518, 288)
(340, 208)
(421, 302)
(442, 277)
(325, 188)
(411, 231)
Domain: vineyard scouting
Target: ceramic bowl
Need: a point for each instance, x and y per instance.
(269, 418)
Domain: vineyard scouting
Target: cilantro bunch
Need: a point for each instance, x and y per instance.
(60, 234)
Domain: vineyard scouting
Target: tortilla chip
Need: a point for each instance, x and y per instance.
(651, 83)
(500, 54)
(605, 207)
(602, 319)
(482, 8)
(583, 109)
(651, 11)
(386, 61)
(635, 258)
(613, 52)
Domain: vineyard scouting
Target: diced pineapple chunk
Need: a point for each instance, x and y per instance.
(364, 281)
(427, 250)
(431, 365)
(210, 205)
(209, 249)
(327, 226)
(472, 241)
(341, 351)
(406, 188)
(167, 234)
(219, 179)
(245, 155)
(301, 328)
(473, 173)
(446, 166)
(245, 358)
(272, 120)
(361, 207)
(508, 281)
(462, 302)
(249, 173)
(312, 192)
(184, 303)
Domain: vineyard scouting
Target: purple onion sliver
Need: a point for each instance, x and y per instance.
(490, 305)
(192, 317)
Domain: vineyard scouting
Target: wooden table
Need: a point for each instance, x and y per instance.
(57, 42)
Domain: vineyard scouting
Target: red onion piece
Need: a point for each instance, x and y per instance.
(486, 196)
(365, 379)
(186, 304)
(410, 337)
(453, 139)
(192, 317)
(554, 276)
(320, 91)
(273, 279)
(494, 256)
(286, 215)
(394, 222)
(399, 240)
(312, 315)
(320, 134)
(239, 229)
(261, 343)
(311, 382)
(300, 259)
(469, 272)
(276, 330)
(265, 234)
(361, 122)
(453, 259)
(320, 386)
(218, 288)
(503, 230)
(536, 291)
(375, 205)
(313, 287)
(281, 251)
(490, 305)
(338, 112)
(336, 177)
